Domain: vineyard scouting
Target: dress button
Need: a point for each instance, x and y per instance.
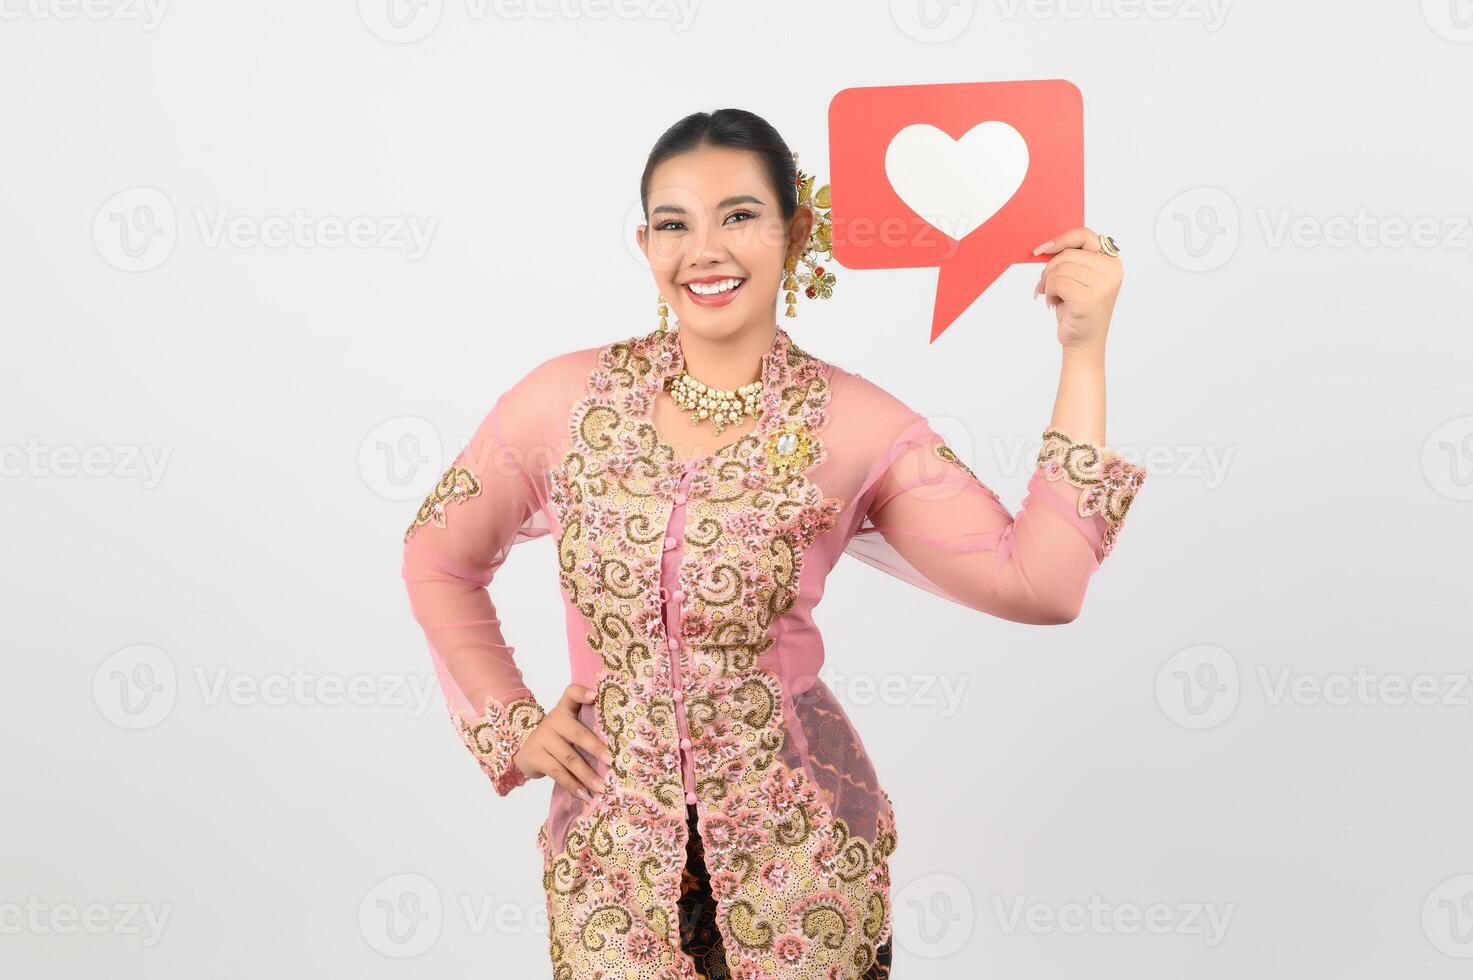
(679, 696)
(680, 497)
(677, 595)
(669, 542)
(685, 744)
(690, 798)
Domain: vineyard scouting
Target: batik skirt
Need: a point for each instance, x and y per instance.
(699, 936)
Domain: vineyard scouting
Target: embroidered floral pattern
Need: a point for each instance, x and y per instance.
(799, 893)
(701, 936)
(458, 483)
(945, 452)
(497, 736)
(1107, 483)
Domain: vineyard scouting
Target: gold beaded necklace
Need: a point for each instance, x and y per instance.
(722, 406)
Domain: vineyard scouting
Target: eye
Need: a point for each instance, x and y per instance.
(736, 214)
(667, 225)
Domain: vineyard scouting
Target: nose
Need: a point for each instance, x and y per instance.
(706, 248)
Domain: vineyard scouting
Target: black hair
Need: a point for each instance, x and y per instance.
(735, 129)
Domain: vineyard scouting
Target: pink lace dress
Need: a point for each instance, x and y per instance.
(688, 592)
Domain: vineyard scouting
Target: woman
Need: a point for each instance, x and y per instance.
(714, 814)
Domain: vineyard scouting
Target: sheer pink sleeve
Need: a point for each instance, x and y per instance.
(931, 521)
(487, 501)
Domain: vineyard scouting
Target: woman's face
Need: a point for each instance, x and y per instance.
(717, 241)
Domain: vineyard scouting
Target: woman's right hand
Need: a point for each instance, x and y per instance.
(552, 748)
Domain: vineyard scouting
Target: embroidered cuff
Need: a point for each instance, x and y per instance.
(496, 737)
(1107, 482)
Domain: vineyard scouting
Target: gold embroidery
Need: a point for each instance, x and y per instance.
(746, 529)
(497, 735)
(458, 483)
(750, 931)
(1107, 482)
(946, 453)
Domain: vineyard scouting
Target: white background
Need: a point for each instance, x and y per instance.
(211, 448)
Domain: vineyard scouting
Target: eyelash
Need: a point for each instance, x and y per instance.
(665, 225)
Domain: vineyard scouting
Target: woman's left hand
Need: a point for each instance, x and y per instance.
(1080, 283)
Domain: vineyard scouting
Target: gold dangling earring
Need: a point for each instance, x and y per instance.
(663, 311)
(816, 283)
(790, 285)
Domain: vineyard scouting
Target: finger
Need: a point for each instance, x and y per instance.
(1083, 256)
(1074, 238)
(570, 760)
(574, 695)
(1064, 289)
(566, 780)
(573, 730)
(1063, 284)
(578, 733)
(1092, 261)
(1050, 283)
(1075, 270)
(1077, 256)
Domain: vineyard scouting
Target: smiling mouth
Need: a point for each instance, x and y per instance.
(708, 290)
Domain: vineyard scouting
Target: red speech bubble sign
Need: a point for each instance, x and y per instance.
(966, 177)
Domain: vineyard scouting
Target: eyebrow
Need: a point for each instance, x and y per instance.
(726, 203)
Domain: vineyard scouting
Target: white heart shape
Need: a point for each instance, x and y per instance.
(956, 185)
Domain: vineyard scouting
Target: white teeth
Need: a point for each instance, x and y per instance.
(712, 288)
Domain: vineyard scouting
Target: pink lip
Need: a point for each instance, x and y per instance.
(720, 299)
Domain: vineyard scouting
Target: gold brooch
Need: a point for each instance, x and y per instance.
(789, 450)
